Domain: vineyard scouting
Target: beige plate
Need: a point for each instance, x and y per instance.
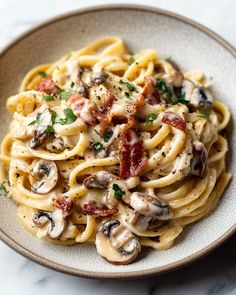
(193, 47)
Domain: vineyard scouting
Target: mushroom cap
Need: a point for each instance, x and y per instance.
(45, 176)
(116, 244)
(99, 180)
(151, 206)
(54, 220)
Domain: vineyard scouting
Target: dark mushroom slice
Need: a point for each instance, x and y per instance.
(147, 211)
(110, 183)
(54, 220)
(151, 206)
(199, 159)
(99, 180)
(116, 244)
(199, 98)
(99, 78)
(44, 118)
(56, 145)
(45, 176)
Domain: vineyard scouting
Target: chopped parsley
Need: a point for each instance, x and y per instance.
(127, 95)
(131, 60)
(70, 117)
(49, 129)
(164, 88)
(107, 136)
(150, 119)
(98, 146)
(43, 74)
(37, 121)
(48, 97)
(181, 99)
(204, 115)
(3, 187)
(130, 86)
(118, 193)
(32, 123)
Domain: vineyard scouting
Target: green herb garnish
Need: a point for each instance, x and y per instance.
(164, 88)
(131, 60)
(150, 118)
(107, 137)
(49, 129)
(72, 84)
(3, 187)
(70, 117)
(130, 86)
(181, 99)
(118, 193)
(65, 94)
(43, 74)
(98, 146)
(32, 123)
(48, 97)
(37, 121)
(204, 115)
(127, 95)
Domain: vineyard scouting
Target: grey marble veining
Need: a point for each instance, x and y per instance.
(212, 275)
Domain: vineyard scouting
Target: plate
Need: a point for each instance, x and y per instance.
(193, 47)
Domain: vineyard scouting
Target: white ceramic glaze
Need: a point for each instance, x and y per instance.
(192, 47)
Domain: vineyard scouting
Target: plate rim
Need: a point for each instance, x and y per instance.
(132, 274)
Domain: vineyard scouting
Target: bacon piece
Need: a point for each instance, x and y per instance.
(198, 162)
(132, 157)
(74, 97)
(47, 85)
(151, 94)
(84, 109)
(63, 203)
(174, 120)
(108, 101)
(97, 211)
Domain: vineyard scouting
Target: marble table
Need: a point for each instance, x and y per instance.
(214, 274)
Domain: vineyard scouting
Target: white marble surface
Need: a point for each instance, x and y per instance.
(215, 274)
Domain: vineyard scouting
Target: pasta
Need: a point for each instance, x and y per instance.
(116, 149)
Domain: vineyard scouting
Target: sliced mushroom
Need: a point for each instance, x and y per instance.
(116, 244)
(200, 98)
(44, 118)
(56, 145)
(151, 206)
(99, 78)
(106, 181)
(198, 163)
(147, 211)
(45, 176)
(54, 220)
(99, 180)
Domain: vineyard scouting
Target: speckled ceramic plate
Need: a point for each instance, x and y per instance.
(193, 47)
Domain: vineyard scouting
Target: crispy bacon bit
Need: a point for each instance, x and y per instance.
(63, 203)
(97, 211)
(108, 101)
(151, 94)
(132, 157)
(75, 97)
(47, 85)
(174, 120)
(85, 110)
(198, 163)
